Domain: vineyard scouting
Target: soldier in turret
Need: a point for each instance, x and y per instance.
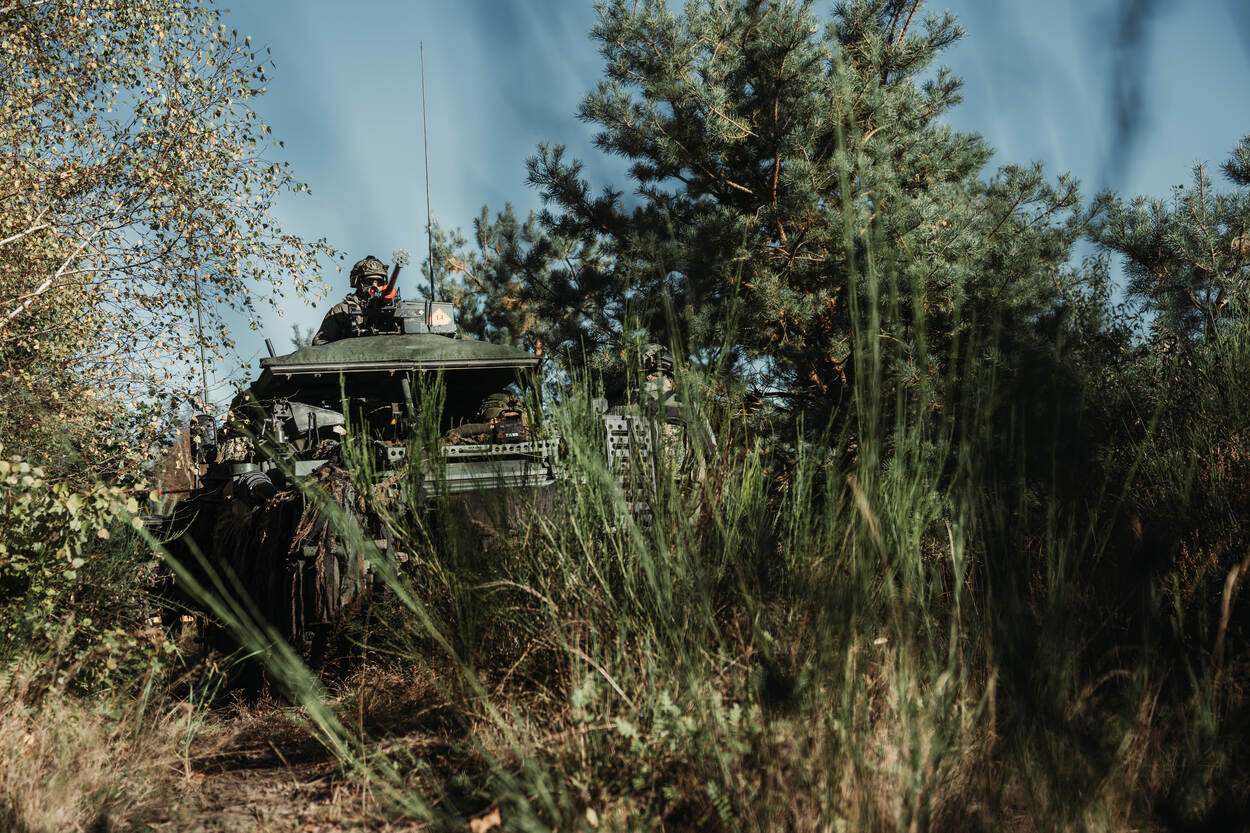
(346, 317)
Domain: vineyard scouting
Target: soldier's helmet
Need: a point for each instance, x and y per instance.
(368, 268)
(656, 359)
(500, 405)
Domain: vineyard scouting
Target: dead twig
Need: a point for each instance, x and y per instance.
(1231, 584)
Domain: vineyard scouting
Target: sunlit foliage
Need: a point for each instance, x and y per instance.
(135, 195)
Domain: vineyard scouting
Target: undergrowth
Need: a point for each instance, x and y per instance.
(887, 625)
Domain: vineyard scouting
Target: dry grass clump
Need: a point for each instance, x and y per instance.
(74, 765)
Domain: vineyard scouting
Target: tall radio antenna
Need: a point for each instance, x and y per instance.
(425, 137)
(199, 336)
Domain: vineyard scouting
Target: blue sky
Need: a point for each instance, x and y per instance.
(1044, 80)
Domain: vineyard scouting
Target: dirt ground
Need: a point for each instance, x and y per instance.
(257, 795)
(255, 768)
(248, 774)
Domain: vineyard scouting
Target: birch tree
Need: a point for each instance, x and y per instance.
(136, 189)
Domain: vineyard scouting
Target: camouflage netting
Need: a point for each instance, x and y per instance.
(289, 561)
(298, 572)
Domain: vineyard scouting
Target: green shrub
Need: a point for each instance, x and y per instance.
(73, 578)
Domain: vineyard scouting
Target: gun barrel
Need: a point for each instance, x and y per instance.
(389, 291)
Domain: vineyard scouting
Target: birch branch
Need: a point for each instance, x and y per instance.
(12, 7)
(38, 225)
(43, 287)
(22, 234)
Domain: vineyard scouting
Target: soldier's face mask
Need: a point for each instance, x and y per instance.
(371, 283)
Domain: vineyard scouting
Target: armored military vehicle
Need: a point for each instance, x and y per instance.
(300, 494)
(341, 425)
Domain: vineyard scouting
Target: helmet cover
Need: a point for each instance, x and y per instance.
(368, 268)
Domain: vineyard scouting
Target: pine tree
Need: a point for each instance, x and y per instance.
(505, 284)
(1187, 258)
(796, 199)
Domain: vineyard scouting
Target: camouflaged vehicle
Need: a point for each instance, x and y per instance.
(253, 513)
